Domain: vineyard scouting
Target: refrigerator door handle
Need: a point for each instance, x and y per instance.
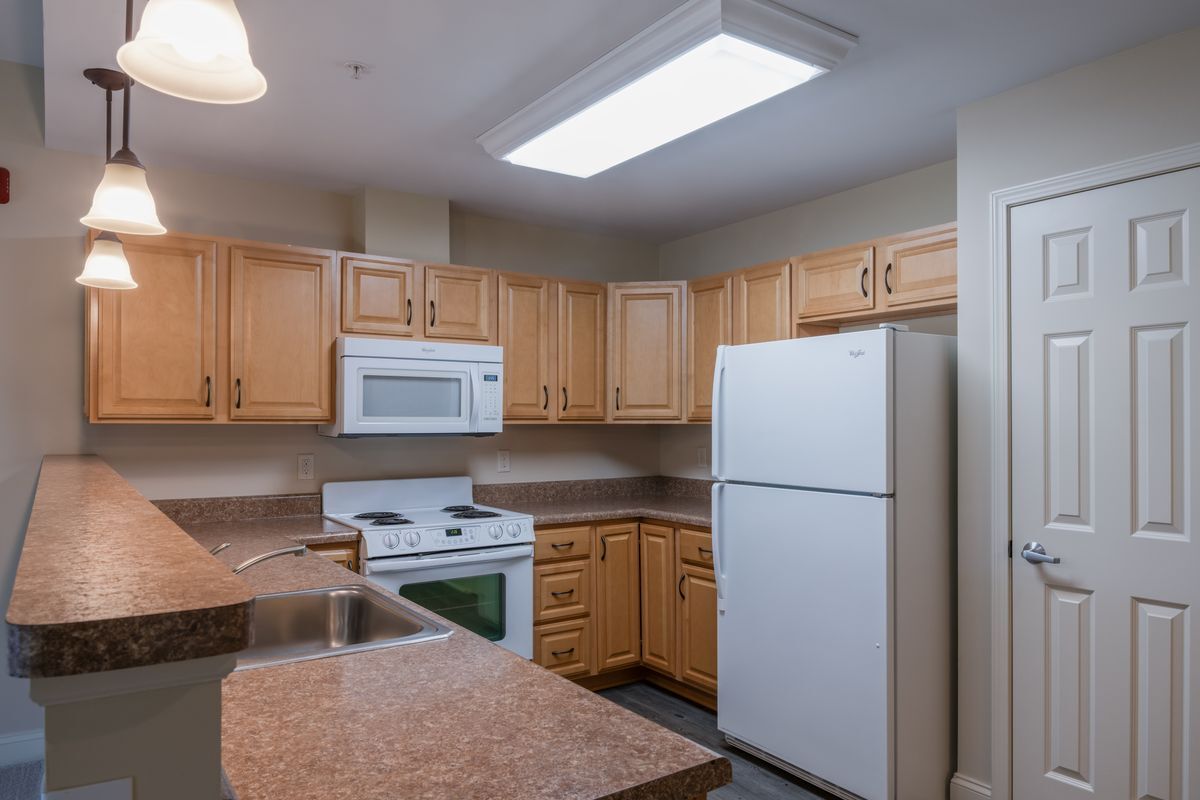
(718, 390)
(718, 545)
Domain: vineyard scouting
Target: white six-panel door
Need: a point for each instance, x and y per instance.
(1105, 403)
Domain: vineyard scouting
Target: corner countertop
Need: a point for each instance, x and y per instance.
(107, 582)
(668, 508)
(460, 718)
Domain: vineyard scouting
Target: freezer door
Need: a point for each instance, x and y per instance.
(806, 412)
(803, 635)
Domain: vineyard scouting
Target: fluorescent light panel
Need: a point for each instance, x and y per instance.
(713, 80)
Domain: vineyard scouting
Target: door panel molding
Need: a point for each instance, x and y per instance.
(999, 493)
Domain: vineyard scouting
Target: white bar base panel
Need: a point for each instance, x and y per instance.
(159, 727)
(964, 788)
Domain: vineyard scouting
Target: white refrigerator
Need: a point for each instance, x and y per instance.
(833, 515)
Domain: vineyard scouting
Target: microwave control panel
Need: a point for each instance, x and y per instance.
(492, 384)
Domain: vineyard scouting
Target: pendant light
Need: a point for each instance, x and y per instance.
(106, 266)
(195, 50)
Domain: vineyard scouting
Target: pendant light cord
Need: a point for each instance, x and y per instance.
(128, 80)
(107, 125)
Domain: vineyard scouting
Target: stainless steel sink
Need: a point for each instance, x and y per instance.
(297, 626)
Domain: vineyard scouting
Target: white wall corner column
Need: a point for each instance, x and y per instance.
(157, 726)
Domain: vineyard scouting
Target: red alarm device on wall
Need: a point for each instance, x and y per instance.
(3, 186)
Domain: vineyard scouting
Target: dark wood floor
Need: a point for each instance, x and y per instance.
(752, 779)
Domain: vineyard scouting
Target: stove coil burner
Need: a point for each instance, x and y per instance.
(391, 521)
(459, 508)
(377, 514)
(475, 514)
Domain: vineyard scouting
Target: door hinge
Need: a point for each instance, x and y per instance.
(1010, 548)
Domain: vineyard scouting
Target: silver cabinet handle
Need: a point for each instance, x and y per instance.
(1034, 553)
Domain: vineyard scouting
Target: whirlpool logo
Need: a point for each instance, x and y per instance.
(857, 353)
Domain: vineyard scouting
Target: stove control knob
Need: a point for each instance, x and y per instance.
(391, 540)
(495, 531)
(412, 538)
(514, 530)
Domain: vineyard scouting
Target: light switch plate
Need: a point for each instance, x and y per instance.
(503, 461)
(306, 467)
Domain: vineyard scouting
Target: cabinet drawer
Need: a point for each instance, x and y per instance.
(564, 647)
(561, 543)
(562, 590)
(695, 547)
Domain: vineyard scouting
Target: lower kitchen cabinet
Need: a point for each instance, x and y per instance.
(618, 615)
(698, 627)
(658, 597)
(562, 590)
(343, 553)
(564, 647)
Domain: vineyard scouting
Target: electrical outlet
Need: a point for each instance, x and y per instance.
(503, 461)
(701, 456)
(306, 467)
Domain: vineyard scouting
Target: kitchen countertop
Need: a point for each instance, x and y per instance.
(668, 508)
(107, 582)
(460, 718)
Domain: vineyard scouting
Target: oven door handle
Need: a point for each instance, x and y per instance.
(414, 563)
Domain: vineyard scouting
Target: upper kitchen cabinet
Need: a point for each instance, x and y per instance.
(152, 352)
(381, 296)
(920, 269)
(646, 346)
(460, 303)
(527, 336)
(762, 303)
(280, 333)
(834, 283)
(582, 337)
(709, 325)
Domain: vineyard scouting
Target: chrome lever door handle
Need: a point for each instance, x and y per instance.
(1034, 553)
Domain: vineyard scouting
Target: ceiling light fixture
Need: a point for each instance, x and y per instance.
(704, 61)
(193, 49)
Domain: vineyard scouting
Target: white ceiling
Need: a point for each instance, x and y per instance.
(444, 71)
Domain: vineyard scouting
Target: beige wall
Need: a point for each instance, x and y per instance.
(904, 202)
(520, 247)
(1139, 101)
(41, 346)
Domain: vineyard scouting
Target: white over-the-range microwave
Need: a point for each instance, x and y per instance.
(387, 387)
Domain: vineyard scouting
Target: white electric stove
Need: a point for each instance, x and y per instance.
(425, 540)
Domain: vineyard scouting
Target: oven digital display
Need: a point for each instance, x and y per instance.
(454, 531)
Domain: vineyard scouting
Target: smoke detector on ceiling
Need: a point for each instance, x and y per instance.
(357, 69)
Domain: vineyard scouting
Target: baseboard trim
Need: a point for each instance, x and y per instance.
(966, 788)
(16, 748)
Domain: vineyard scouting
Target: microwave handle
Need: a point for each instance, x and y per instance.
(412, 564)
(476, 398)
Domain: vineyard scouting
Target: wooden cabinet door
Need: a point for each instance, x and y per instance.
(342, 553)
(618, 615)
(281, 333)
(762, 303)
(155, 347)
(658, 597)
(646, 333)
(460, 303)
(921, 268)
(709, 324)
(697, 591)
(564, 647)
(526, 334)
(582, 337)
(834, 282)
(380, 295)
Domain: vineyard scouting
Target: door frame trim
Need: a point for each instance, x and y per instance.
(1000, 462)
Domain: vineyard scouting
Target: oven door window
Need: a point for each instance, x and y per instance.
(475, 602)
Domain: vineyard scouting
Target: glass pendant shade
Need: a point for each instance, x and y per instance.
(193, 49)
(106, 266)
(123, 202)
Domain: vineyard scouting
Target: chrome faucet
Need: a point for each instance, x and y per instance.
(297, 550)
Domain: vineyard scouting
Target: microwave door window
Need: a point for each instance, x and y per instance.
(412, 396)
